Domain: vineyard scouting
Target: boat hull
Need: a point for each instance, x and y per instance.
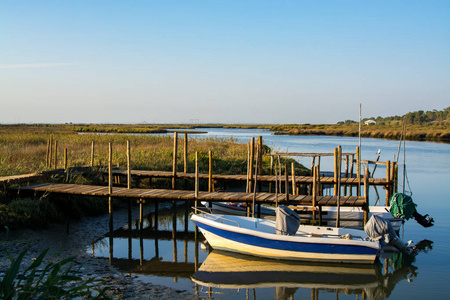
(270, 245)
(348, 216)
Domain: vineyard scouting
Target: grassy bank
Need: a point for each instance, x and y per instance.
(23, 149)
(413, 132)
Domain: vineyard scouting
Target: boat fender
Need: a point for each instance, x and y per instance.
(347, 236)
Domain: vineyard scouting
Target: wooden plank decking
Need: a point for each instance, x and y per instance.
(261, 178)
(161, 194)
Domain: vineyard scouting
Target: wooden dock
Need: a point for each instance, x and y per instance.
(163, 194)
(142, 174)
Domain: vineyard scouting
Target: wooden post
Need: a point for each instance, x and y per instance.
(185, 153)
(366, 196)
(392, 183)
(252, 158)
(286, 184)
(260, 144)
(110, 179)
(339, 157)
(65, 158)
(92, 154)
(339, 167)
(51, 153)
(141, 214)
(294, 186)
(196, 179)
(128, 165)
(358, 170)
(388, 181)
(47, 161)
(396, 178)
(55, 164)
(210, 172)
(313, 162)
(335, 187)
(314, 190)
(175, 150)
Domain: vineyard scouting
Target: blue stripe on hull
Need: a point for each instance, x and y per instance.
(286, 245)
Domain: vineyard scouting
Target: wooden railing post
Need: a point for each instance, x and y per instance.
(210, 172)
(175, 150)
(65, 158)
(388, 181)
(358, 170)
(196, 179)
(294, 186)
(251, 160)
(92, 154)
(128, 165)
(366, 196)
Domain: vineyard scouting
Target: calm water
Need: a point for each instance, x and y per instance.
(159, 259)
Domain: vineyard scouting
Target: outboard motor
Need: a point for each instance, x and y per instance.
(379, 229)
(402, 206)
(287, 221)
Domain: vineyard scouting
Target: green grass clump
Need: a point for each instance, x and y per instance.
(60, 280)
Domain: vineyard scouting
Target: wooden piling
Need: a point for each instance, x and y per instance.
(314, 191)
(110, 179)
(196, 179)
(335, 172)
(175, 150)
(92, 153)
(50, 153)
(366, 196)
(358, 170)
(47, 158)
(294, 186)
(388, 181)
(286, 180)
(65, 158)
(252, 158)
(55, 164)
(260, 147)
(210, 172)
(128, 165)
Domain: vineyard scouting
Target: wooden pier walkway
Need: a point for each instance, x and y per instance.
(162, 194)
(142, 174)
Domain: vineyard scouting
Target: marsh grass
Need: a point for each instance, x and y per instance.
(40, 280)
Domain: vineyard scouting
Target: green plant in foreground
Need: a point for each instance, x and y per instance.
(52, 281)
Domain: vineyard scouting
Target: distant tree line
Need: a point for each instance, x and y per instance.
(416, 118)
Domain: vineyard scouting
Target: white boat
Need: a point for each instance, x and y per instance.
(348, 216)
(254, 236)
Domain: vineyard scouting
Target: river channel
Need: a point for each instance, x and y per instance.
(187, 263)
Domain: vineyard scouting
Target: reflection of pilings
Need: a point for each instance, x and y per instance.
(149, 233)
(111, 243)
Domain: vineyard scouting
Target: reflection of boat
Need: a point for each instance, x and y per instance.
(233, 271)
(312, 243)
(348, 216)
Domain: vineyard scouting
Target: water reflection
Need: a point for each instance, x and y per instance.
(165, 245)
(225, 270)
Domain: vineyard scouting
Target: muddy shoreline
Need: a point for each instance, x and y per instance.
(81, 235)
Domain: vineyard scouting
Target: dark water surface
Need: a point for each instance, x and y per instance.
(183, 263)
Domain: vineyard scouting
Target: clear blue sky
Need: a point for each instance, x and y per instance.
(219, 61)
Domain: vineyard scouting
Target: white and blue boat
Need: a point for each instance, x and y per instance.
(280, 240)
